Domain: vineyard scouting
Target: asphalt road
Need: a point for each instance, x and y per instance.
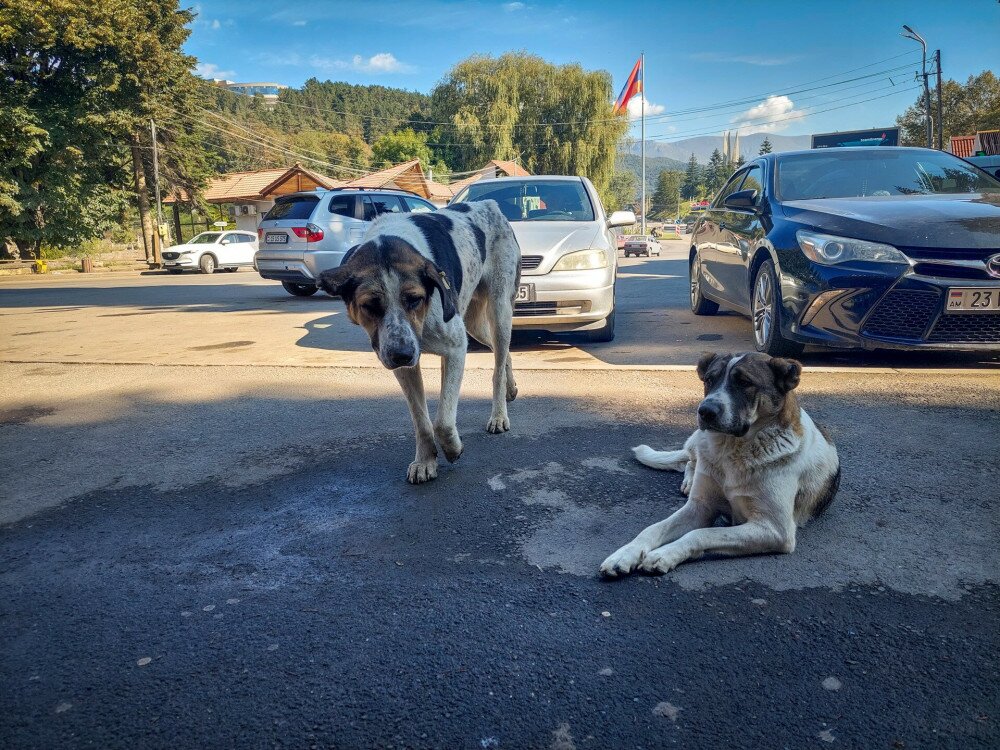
(214, 546)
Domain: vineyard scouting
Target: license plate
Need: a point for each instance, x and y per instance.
(276, 238)
(525, 293)
(973, 300)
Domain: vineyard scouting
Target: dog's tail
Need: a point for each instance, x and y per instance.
(664, 460)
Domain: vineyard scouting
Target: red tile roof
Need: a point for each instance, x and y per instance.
(256, 185)
(963, 145)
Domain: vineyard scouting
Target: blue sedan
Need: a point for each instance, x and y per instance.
(854, 248)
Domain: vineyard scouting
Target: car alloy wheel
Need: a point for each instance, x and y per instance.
(763, 309)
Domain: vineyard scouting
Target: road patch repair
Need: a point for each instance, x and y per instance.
(193, 555)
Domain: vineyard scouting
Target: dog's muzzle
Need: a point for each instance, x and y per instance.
(714, 416)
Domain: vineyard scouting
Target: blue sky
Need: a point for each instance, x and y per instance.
(757, 55)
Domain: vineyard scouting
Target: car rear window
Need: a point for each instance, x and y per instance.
(293, 207)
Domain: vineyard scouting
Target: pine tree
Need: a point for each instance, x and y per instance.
(716, 173)
(692, 185)
(765, 146)
(667, 196)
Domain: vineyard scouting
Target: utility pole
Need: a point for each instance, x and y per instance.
(157, 257)
(642, 93)
(940, 113)
(911, 34)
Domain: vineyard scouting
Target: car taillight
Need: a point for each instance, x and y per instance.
(310, 232)
(260, 233)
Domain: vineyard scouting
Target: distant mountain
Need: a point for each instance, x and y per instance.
(702, 146)
(654, 165)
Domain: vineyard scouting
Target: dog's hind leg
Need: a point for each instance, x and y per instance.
(424, 466)
(453, 367)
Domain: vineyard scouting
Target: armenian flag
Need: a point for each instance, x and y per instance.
(632, 87)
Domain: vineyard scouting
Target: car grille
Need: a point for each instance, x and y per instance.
(902, 314)
(967, 328)
(527, 309)
(171, 256)
(530, 262)
(946, 264)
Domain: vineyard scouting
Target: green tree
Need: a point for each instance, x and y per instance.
(403, 145)
(716, 173)
(692, 185)
(621, 195)
(667, 196)
(555, 118)
(79, 83)
(965, 109)
(765, 146)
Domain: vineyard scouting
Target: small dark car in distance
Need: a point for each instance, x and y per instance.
(871, 247)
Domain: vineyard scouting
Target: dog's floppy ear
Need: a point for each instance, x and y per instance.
(786, 373)
(705, 362)
(435, 278)
(339, 282)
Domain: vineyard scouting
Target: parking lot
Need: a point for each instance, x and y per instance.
(208, 538)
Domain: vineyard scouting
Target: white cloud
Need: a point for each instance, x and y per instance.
(383, 62)
(211, 70)
(635, 108)
(298, 23)
(757, 118)
(216, 24)
(511, 7)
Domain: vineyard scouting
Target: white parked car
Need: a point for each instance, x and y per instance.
(569, 256)
(208, 251)
(641, 244)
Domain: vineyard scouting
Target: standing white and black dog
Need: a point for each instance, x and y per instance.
(468, 254)
(756, 459)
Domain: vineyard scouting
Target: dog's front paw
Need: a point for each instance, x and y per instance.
(660, 561)
(498, 424)
(686, 485)
(422, 471)
(511, 391)
(450, 442)
(622, 562)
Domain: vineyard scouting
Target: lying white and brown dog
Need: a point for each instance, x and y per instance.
(756, 459)
(422, 282)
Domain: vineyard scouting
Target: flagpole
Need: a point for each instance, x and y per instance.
(642, 69)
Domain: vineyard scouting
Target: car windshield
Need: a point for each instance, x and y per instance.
(205, 238)
(293, 207)
(534, 200)
(836, 173)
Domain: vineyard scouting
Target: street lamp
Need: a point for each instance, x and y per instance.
(909, 33)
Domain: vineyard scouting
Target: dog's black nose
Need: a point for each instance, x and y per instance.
(708, 411)
(401, 357)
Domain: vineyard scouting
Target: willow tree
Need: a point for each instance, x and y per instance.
(552, 119)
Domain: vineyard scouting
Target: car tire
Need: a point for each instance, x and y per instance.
(601, 335)
(765, 314)
(700, 304)
(299, 290)
(207, 263)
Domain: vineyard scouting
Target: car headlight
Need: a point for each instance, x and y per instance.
(582, 260)
(829, 250)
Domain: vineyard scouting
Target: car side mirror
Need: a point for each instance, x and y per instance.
(224, 242)
(742, 199)
(621, 219)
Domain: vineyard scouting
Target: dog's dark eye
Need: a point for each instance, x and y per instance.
(412, 303)
(373, 307)
(741, 380)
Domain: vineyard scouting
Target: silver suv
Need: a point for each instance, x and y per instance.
(305, 234)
